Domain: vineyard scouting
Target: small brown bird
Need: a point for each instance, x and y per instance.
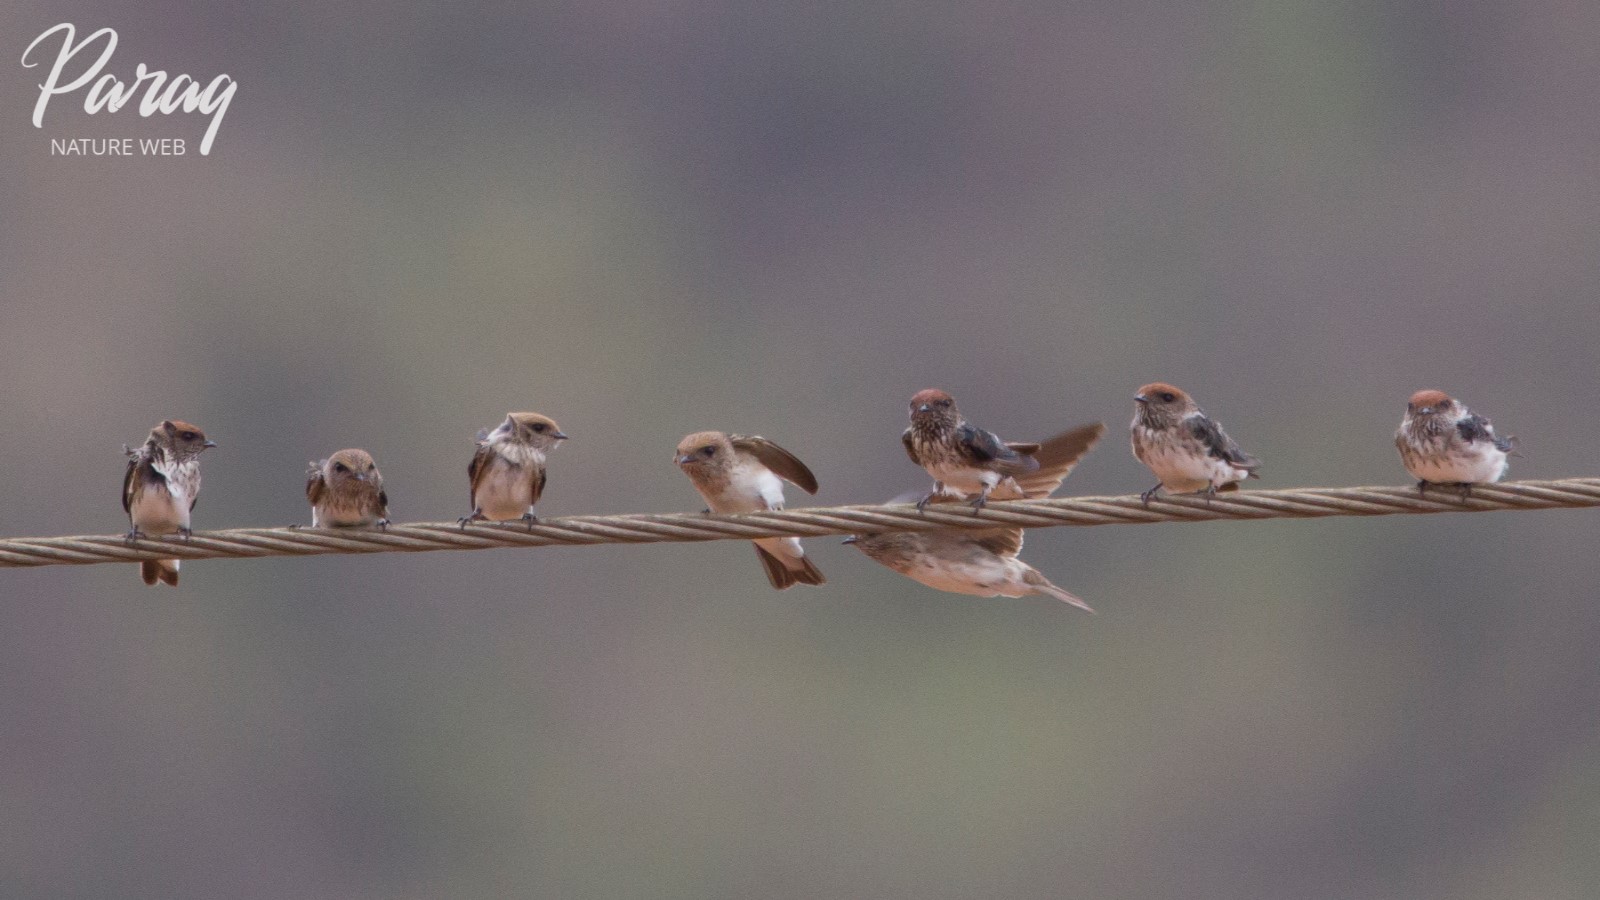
(737, 474)
(346, 491)
(985, 563)
(1443, 442)
(981, 563)
(962, 458)
(1183, 446)
(160, 488)
(508, 470)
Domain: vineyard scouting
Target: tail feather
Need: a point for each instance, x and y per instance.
(782, 577)
(163, 570)
(1042, 585)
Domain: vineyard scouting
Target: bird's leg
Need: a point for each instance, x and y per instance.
(1465, 489)
(1209, 492)
(938, 488)
(982, 499)
(133, 534)
(475, 516)
(529, 518)
(1149, 495)
(185, 533)
(1422, 487)
(383, 524)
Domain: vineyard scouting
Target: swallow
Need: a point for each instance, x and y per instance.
(962, 458)
(508, 470)
(346, 491)
(737, 474)
(985, 562)
(1442, 442)
(160, 488)
(980, 562)
(1183, 446)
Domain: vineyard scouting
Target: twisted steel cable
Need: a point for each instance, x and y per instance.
(1304, 503)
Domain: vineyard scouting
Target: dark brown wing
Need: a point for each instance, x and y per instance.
(1057, 457)
(1477, 428)
(538, 486)
(476, 470)
(1218, 444)
(127, 484)
(911, 446)
(1000, 541)
(315, 485)
(782, 463)
(984, 450)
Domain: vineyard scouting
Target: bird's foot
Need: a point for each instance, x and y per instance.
(1146, 496)
(979, 502)
(133, 534)
(474, 516)
(1422, 487)
(529, 519)
(1465, 490)
(185, 533)
(383, 524)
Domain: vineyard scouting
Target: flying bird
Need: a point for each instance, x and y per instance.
(346, 491)
(962, 458)
(738, 474)
(984, 562)
(1183, 447)
(160, 488)
(1443, 442)
(508, 470)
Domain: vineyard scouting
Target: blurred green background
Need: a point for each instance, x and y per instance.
(649, 218)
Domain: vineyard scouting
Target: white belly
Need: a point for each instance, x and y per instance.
(750, 488)
(159, 511)
(1185, 472)
(505, 491)
(988, 576)
(1482, 464)
(964, 480)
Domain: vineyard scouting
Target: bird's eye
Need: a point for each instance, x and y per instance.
(708, 451)
(188, 435)
(340, 467)
(944, 403)
(1168, 397)
(539, 427)
(1443, 404)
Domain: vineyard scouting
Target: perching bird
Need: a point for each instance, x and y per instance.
(1183, 446)
(984, 562)
(508, 469)
(737, 474)
(160, 488)
(962, 458)
(346, 491)
(1443, 442)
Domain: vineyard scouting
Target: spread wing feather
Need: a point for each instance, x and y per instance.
(782, 463)
(987, 450)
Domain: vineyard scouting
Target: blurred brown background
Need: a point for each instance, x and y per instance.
(650, 218)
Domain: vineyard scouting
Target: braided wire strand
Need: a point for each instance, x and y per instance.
(1302, 503)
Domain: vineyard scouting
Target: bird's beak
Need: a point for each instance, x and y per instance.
(1425, 411)
(851, 539)
(924, 408)
(209, 444)
(683, 460)
(1140, 398)
(559, 436)
(359, 476)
